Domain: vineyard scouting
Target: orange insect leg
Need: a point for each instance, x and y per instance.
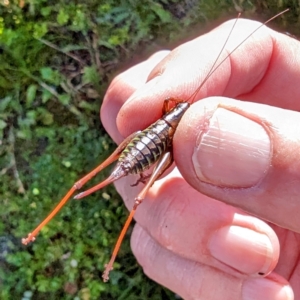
(114, 156)
(163, 164)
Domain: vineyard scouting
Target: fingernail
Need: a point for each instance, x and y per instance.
(243, 249)
(264, 288)
(234, 151)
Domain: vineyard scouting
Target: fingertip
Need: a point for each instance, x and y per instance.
(248, 156)
(232, 244)
(272, 287)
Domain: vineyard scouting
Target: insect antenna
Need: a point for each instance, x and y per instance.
(214, 67)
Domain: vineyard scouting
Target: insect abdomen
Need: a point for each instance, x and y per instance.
(145, 149)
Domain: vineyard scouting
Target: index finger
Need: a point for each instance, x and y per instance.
(263, 69)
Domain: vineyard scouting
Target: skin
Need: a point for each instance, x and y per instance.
(246, 245)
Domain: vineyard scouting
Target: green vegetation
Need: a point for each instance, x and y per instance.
(57, 58)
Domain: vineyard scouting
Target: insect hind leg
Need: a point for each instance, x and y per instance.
(163, 163)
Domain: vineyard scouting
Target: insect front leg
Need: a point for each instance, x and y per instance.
(142, 179)
(169, 103)
(162, 165)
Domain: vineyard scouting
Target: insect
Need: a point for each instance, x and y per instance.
(138, 152)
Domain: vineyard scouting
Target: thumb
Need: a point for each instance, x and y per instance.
(245, 154)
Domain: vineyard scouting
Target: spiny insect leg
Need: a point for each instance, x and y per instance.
(163, 164)
(142, 179)
(114, 156)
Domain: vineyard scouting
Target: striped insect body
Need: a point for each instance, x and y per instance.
(148, 145)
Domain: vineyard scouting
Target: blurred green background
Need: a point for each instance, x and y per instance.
(57, 59)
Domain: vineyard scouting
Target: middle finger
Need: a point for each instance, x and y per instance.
(199, 228)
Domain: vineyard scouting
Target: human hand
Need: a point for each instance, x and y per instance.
(245, 154)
